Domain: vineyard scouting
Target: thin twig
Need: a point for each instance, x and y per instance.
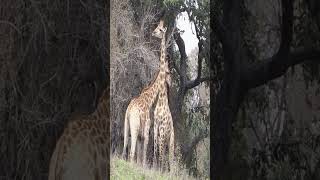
(12, 25)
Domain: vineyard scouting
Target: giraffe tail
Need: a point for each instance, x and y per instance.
(126, 133)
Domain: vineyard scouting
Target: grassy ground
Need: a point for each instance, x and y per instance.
(121, 169)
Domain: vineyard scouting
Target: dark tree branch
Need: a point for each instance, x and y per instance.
(238, 81)
(197, 139)
(199, 34)
(196, 82)
(200, 57)
(188, 148)
(277, 65)
(273, 67)
(176, 67)
(172, 61)
(183, 57)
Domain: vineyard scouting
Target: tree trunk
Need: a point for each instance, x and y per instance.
(238, 79)
(224, 113)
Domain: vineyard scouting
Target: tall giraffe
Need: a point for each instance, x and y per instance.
(163, 124)
(137, 117)
(82, 151)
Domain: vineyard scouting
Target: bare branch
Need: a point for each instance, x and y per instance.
(196, 82)
(11, 25)
(176, 67)
(274, 67)
(183, 57)
(199, 32)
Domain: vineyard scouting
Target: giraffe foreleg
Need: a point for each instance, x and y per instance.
(161, 148)
(146, 138)
(134, 137)
(171, 149)
(125, 133)
(155, 143)
(134, 122)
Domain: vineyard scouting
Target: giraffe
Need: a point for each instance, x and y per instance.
(82, 151)
(137, 117)
(163, 124)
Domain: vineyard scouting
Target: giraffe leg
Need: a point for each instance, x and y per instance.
(171, 149)
(134, 129)
(162, 156)
(126, 133)
(139, 151)
(155, 143)
(161, 149)
(146, 138)
(134, 137)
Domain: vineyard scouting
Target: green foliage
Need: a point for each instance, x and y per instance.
(172, 3)
(121, 169)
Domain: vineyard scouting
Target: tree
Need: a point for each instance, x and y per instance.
(53, 53)
(239, 76)
(198, 13)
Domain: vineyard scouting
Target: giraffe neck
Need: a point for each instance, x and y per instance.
(163, 94)
(162, 84)
(162, 53)
(102, 111)
(150, 93)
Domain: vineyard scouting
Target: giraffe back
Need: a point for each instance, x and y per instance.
(82, 151)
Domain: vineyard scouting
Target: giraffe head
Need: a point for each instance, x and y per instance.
(160, 30)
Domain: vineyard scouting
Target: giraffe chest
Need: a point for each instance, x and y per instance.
(164, 128)
(163, 115)
(162, 108)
